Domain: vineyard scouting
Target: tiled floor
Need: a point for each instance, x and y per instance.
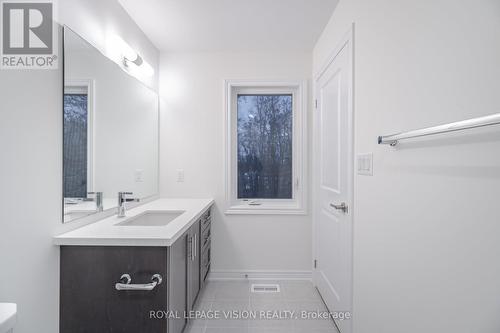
(219, 297)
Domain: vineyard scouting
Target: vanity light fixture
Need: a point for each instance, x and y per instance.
(139, 66)
(130, 59)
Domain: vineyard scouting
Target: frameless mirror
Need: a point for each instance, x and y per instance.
(110, 132)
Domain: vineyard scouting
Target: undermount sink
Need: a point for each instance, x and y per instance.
(152, 218)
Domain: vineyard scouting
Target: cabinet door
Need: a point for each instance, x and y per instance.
(89, 301)
(178, 284)
(193, 264)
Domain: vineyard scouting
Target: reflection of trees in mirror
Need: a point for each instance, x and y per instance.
(265, 124)
(75, 145)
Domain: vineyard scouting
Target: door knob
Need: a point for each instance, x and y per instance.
(343, 207)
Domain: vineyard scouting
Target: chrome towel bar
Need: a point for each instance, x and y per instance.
(125, 280)
(393, 139)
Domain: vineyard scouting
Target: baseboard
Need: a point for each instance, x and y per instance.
(259, 275)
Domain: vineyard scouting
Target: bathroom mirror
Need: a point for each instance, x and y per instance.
(110, 132)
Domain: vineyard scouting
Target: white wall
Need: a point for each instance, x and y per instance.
(427, 224)
(96, 21)
(192, 129)
(31, 169)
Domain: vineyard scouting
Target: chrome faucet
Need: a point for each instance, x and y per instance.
(98, 201)
(122, 200)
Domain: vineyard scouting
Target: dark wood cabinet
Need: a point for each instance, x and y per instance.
(205, 246)
(178, 284)
(90, 302)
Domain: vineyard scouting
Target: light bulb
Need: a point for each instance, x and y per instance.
(119, 46)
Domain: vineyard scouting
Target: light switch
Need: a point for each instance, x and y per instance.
(139, 176)
(365, 164)
(180, 175)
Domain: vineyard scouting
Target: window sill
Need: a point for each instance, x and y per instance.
(265, 210)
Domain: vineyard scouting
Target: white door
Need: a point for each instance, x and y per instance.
(333, 184)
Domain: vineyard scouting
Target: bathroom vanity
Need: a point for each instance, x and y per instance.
(141, 269)
(140, 273)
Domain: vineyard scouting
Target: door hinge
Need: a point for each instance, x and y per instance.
(316, 103)
(315, 263)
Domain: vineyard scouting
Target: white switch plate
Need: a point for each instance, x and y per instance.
(180, 175)
(139, 176)
(365, 164)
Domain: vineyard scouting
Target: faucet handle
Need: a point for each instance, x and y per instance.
(97, 196)
(122, 195)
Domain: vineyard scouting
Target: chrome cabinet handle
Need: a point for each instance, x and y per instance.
(343, 207)
(125, 284)
(195, 245)
(192, 248)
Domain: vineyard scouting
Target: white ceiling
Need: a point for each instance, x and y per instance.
(231, 25)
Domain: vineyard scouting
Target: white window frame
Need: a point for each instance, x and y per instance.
(86, 86)
(296, 205)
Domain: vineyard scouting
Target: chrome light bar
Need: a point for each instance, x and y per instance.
(393, 139)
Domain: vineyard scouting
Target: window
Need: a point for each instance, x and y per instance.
(265, 168)
(77, 161)
(265, 132)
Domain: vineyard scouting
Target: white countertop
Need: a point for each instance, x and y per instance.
(8, 313)
(106, 233)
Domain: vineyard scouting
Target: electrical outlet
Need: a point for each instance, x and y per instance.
(139, 176)
(180, 175)
(365, 164)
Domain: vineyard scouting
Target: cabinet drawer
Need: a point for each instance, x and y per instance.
(205, 237)
(205, 262)
(205, 219)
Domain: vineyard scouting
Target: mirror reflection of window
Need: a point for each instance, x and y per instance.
(76, 148)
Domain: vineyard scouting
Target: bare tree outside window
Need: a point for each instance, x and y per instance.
(75, 145)
(265, 142)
